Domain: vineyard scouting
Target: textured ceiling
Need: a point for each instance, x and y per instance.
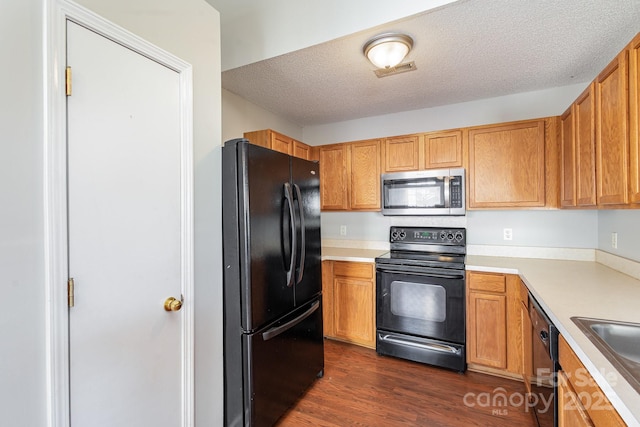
(468, 50)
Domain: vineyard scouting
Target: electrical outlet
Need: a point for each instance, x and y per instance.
(343, 230)
(507, 234)
(614, 240)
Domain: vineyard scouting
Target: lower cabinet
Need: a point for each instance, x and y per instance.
(580, 401)
(495, 341)
(349, 301)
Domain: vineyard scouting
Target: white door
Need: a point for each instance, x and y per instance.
(124, 223)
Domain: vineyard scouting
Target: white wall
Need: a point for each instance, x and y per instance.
(259, 30)
(627, 224)
(190, 30)
(22, 318)
(240, 116)
(521, 106)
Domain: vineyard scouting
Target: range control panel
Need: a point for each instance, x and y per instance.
(428, 235)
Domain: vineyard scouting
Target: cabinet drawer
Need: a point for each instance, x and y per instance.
(595, 402)
(361, 270)
(488, 282)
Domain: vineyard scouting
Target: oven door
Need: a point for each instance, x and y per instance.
(425, 302)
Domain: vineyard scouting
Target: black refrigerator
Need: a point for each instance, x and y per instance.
(273, 343)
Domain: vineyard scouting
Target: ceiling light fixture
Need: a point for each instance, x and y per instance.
(387, 50)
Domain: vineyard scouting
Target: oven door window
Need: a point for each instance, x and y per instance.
(415, 193)
(418, 301)
(421, 305)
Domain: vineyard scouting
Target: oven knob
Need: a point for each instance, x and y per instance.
(402, 235)
(459, 236)
(450, 236)
(443, 235)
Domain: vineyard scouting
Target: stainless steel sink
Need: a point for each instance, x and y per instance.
(619, 342)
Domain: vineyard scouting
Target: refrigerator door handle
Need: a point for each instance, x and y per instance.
(291, 271)
(277, 330)
(303, 243)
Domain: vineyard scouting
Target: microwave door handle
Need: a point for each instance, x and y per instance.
(447, 191)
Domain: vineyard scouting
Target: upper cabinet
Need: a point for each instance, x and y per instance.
(433, 150)
(568, 158)
(442, 150)
(585, 148)
(401, 153)
(634, 120)
(612, 137)
(350, 175)
(334, 193)
(578, 152)
(513, 165)
(276, 141)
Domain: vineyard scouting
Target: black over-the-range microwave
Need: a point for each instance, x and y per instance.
(429, 192)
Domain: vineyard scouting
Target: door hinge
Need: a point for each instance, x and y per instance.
(67, 80)
(70, 292)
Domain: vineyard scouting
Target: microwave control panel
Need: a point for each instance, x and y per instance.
(455, 191)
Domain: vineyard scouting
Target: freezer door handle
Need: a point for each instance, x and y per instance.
(277, 330)
(303, 242)
(291, 271)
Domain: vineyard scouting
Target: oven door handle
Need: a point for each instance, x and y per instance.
(421, 271)
(442, 348)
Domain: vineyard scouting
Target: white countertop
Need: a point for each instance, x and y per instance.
(351, 254)
(580, 288)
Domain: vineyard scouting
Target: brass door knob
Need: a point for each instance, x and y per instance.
(172, 304)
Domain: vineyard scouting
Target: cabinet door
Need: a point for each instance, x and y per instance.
(364, 172)
(301, 150)
(571, 413)
(507, 165)
(281, 143)
(568, 163)
(612, 143)
(527, 343)
(327, 298)
(259, 137)
(354, 319)
(487, 335)
(585, 147)
(401, 154)
(442, 150)
(333, 177)
(634, 119)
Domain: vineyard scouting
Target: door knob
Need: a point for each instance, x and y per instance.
(172, 304)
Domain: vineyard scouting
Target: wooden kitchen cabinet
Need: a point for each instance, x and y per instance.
(276, 141)
(526, 332)
(571, 413)
(365, 168)
(334, 180)
(513, 165)
(612, 138)
(634, 120)
(568, 158)
(442, 150)
(494, 324)
(585, 148)
(580, 401)
(349, 292)
(401, 153)
(350, 176)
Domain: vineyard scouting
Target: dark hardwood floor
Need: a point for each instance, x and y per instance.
(360, 388)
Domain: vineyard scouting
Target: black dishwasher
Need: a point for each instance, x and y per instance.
(543, 399)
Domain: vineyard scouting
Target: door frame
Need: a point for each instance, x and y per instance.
(56, 13)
